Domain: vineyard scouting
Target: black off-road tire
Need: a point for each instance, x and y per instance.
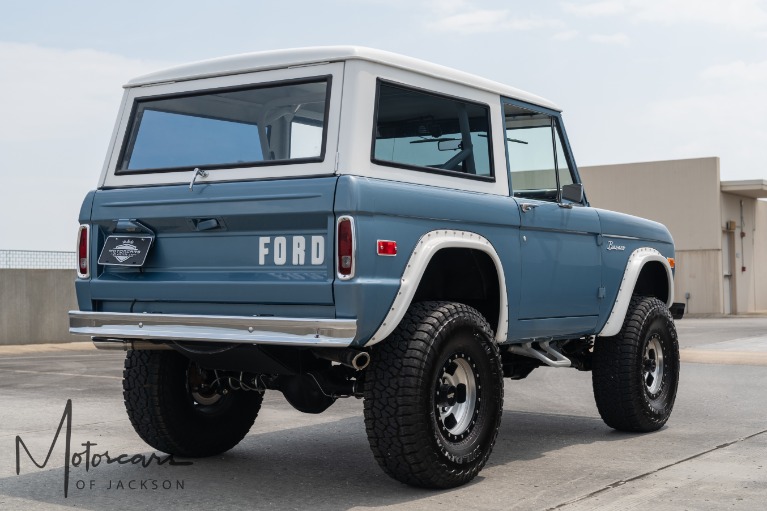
(421, 364)
(636, 373)
(166, 416)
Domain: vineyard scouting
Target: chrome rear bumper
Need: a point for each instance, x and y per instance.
(117, 327)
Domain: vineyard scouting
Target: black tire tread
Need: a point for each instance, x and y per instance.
(617, 389)
(160, 419)
(399, 440)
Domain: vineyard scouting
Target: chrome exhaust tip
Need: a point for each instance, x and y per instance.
(361, 360)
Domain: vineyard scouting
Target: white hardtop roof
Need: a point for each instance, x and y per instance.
(260, 61)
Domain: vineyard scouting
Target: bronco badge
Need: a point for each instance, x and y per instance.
(613, 246)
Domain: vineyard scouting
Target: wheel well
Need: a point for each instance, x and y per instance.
(462, 275)
(653, 281)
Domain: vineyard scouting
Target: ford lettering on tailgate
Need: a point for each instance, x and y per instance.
(294, 250)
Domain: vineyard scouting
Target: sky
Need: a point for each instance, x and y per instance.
(638, 80)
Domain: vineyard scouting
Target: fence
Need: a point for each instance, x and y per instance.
(37, 260)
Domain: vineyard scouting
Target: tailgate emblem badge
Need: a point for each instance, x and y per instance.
(124, 251)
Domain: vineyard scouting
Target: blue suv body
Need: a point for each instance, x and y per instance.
(342, 221)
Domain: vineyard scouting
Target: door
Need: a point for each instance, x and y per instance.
(561, 272)
(560, 260)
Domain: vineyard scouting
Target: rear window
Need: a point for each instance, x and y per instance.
(224, 128)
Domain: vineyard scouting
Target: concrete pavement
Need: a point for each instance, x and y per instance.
(553, 451)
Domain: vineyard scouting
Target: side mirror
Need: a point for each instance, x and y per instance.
(573, 192)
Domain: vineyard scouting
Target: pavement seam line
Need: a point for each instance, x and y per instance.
(59, 355)
(617, 484)
(60, 374)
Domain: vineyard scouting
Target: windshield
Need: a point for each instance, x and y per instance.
(228, 128)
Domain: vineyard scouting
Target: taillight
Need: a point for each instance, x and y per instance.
(83, 249)
(345, 248)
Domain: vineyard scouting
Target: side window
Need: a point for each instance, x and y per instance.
(416, 129)
(537, 160)
(305, 139)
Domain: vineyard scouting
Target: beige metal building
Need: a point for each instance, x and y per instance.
(719, 227)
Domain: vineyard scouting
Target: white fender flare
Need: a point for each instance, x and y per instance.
(636, 262)
(427, 246)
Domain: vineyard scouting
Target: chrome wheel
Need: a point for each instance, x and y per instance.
(652, 365)
(457, 397)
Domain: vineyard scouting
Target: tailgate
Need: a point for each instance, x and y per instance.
(245, 248)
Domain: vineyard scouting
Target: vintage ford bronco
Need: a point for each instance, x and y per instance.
(341, 221)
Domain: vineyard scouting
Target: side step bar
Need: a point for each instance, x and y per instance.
(546, 354)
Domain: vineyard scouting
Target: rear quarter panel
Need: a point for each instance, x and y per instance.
(404, 212)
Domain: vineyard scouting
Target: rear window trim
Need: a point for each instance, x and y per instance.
(241, 180)
(432, 170)
(128, 139)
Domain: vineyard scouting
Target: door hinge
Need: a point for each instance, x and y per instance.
(601, 293)
(599, 240)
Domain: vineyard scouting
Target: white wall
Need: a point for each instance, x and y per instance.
(697, 273)
(760, 256)
(742, 210)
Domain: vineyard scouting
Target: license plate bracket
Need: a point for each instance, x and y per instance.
(125, 250)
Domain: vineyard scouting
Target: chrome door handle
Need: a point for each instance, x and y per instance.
(197, 172)
(525, 206)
